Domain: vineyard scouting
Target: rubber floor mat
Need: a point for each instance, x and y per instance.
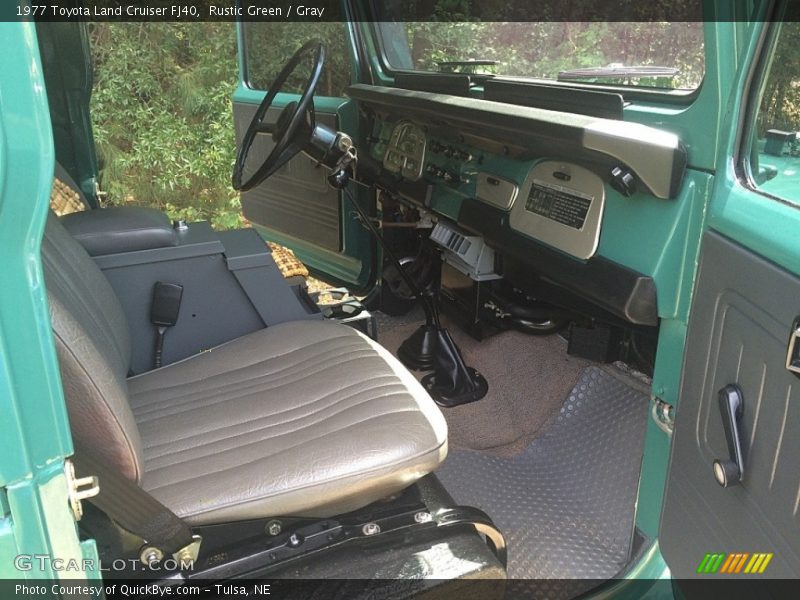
(566, 503)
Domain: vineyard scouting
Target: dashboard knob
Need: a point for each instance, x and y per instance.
(623, 181)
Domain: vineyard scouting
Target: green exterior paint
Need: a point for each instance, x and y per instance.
(659, 238)
(655, 461)
(34, 431)
(763, 224)
(647, 580)
(786, 183)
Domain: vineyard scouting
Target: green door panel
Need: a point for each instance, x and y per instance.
(765, 225)
(34, 430)
(742, 313)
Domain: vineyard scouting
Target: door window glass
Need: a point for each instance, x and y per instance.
(270, 45)
(775, 151)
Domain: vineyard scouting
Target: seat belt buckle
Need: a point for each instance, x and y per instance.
(166, 304)
(164, 311)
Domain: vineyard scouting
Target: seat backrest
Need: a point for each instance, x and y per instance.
(93, 347)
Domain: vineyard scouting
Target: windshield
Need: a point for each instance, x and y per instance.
(667, 55)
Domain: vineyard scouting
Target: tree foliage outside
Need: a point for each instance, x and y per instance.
(780, 102)
(162, 109)
(162, 117)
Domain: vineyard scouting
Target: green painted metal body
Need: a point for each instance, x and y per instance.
(786, 183)
(658, 238)
(34, 430)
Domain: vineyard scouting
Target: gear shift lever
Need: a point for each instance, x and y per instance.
(431, 346)
(452, 381)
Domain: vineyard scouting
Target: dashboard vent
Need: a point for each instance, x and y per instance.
(452, 240)
(468, 253)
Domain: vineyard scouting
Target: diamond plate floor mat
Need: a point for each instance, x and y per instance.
(565, 503)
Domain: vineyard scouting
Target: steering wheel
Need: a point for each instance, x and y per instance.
(294, 127)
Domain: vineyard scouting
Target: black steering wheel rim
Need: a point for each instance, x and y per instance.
(288, 138)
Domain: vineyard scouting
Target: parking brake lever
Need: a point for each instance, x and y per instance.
(729, 472)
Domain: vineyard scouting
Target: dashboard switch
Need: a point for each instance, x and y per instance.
(463, 156)
(623, 181)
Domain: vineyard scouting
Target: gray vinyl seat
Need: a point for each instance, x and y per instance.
(306, 418)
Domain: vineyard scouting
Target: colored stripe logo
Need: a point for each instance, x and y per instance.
(734, 563)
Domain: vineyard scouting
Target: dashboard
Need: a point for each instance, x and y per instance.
(534, 183)
(560, 203)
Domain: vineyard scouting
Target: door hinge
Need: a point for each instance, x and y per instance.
(79, 488)
(99, 194)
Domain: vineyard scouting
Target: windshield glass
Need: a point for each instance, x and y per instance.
(666, 55)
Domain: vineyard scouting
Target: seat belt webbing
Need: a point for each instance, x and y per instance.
(132, 508)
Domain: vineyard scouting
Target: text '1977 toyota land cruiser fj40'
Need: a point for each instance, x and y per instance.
(560, 349)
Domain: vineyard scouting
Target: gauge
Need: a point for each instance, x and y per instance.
(405, 153)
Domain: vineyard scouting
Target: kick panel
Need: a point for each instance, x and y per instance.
(561, 204)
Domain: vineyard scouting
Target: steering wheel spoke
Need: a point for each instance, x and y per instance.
(294, 127)
(287, 155)
(265, 128)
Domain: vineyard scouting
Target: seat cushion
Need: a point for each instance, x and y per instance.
(304, 418)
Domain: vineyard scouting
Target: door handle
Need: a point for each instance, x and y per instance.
(793, 349)
(729, 471)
